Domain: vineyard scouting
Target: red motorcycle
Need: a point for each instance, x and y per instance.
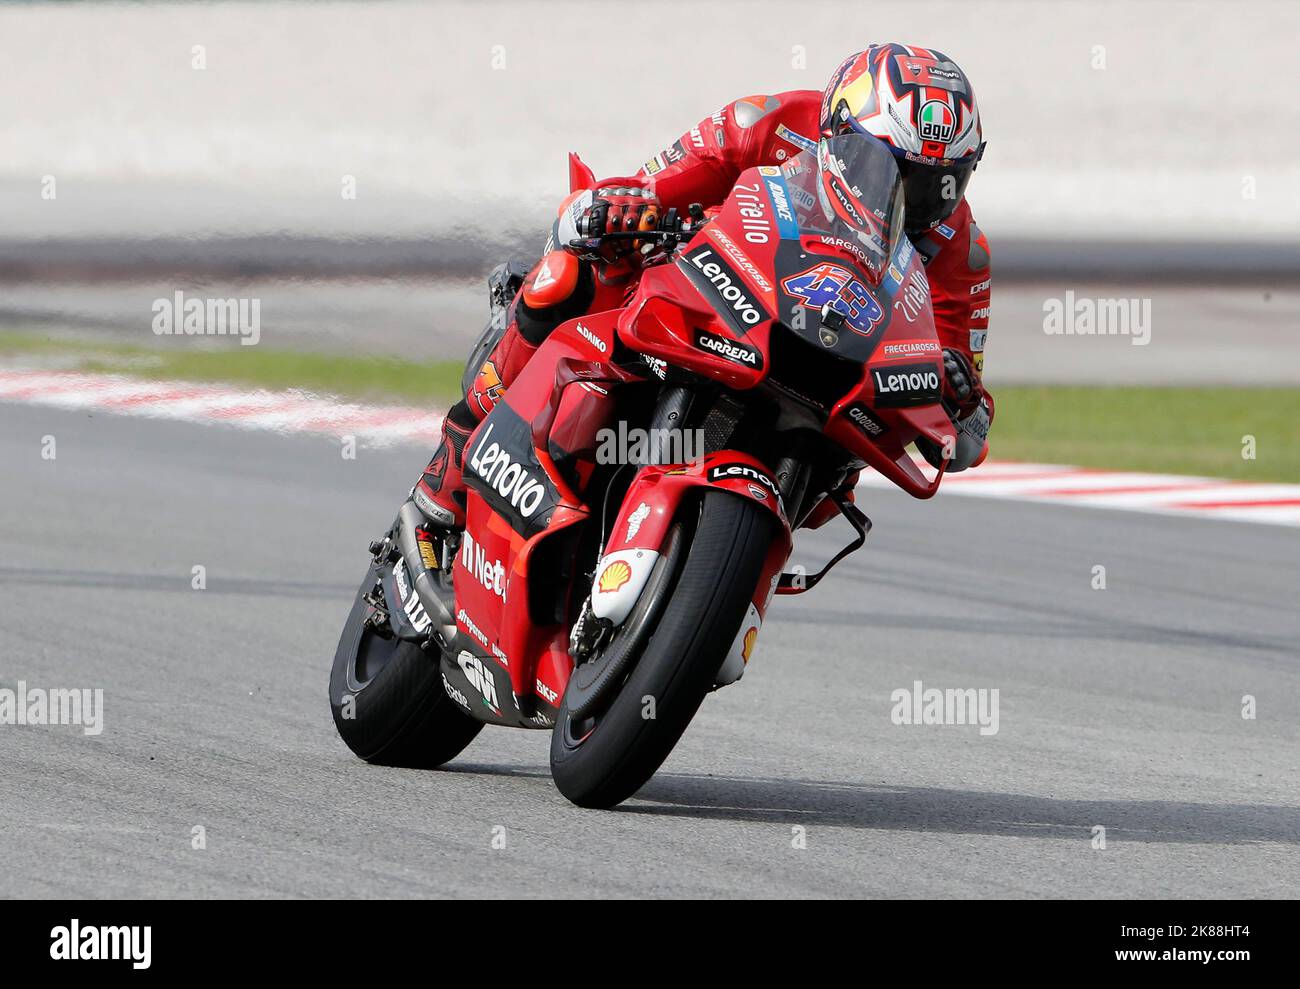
(781, 345)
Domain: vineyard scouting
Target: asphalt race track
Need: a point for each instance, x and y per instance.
(1119, 708)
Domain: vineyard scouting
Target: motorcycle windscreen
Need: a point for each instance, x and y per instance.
(843, 243)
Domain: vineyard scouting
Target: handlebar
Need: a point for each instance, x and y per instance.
(672, 229)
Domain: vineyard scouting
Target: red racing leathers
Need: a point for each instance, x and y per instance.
(701, 167)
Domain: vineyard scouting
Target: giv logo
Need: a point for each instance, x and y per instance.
(479, 678)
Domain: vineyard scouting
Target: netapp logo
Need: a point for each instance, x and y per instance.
(732, 350)
(713, 276)
(908, 384)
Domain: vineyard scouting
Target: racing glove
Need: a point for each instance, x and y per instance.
(971, 410)
(959, 382)
(620, 206)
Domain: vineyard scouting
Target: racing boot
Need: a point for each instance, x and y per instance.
(440, 492)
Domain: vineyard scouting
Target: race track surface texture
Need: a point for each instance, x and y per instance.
(1119, 708)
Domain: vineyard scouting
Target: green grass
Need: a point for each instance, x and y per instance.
(378, 379)
(1164, 430)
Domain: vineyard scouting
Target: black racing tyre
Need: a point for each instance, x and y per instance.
(400, 713)
(603, 760)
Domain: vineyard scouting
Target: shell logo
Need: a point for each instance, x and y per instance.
(750, 638)
(614, 576)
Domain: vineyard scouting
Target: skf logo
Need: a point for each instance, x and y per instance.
(614, 576)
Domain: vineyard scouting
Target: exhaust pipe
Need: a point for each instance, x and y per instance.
(422, 579)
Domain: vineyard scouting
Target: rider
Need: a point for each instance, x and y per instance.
(915, 100)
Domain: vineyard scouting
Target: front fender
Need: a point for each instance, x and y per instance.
(649, 507)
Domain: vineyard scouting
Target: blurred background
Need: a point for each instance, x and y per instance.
(1139, 150)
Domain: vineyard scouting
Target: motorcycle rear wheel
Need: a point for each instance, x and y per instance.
(602, 760)
(388, 701)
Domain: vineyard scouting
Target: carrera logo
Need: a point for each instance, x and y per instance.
(592, 339)
(720, 283)
(910, 348)
(864, 420)
(746, 472)
(907, 385)
(613, 577)
(732, 350)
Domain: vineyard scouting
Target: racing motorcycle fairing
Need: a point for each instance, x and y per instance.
(524, 465)
(812, 252)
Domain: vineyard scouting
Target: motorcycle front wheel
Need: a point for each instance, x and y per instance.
(602, 759)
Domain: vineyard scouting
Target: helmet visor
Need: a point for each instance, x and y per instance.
(932, 192)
